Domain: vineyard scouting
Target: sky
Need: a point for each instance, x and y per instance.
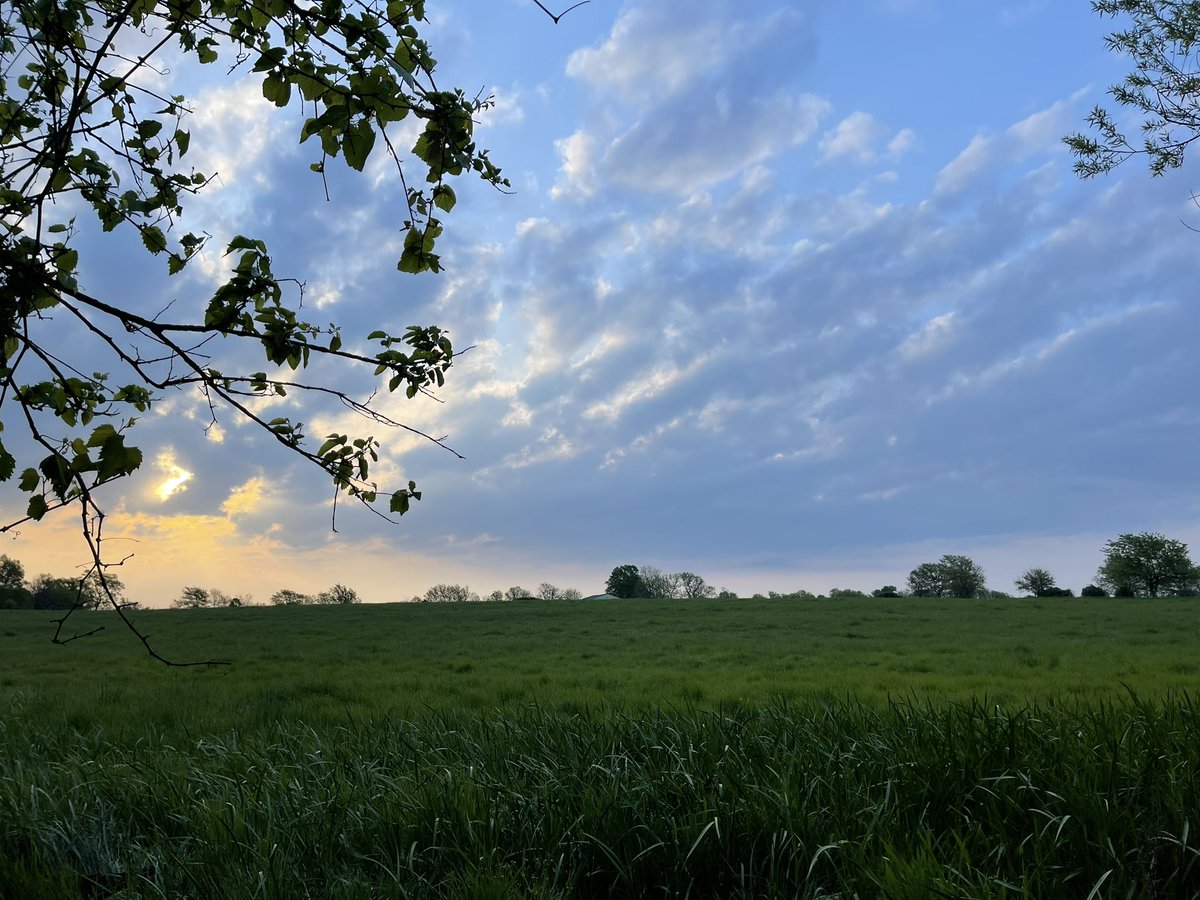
(793, 296)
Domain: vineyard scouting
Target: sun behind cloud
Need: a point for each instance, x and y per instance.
(175, 477)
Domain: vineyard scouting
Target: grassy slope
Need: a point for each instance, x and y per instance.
(323, 663)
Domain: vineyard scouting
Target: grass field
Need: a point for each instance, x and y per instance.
(858, 748)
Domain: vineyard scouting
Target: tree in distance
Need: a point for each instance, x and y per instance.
(888, 590)
(1037, 582)
(77, 593)
(13, 593)
(1162, 40)
(926, 581)
(338, 595)
(693, 587)
(624, 581)
(657, 584)
(963, 577)
(1147, 565)
(1093, 591)
(90, 142)
(450, 593)
(951, 576)
(205, 598)
(287, 597)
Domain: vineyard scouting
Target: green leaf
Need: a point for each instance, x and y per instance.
(154, 239)
(100, 435)
(66, 261)
(334, 440)
(399, 503)
(8, 464)
(444, 198)
(206, 50)
(277, 90)
(357, 144)
(37, 507)
(116, 459)
(148, 128)
(183, 140)
(29, 480)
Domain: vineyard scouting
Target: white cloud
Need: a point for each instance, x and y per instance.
(710, 139)
(855, 138)
(506, 109)
(577, 173)
(931, 337)
(1040, 132)
(657, 51)
(904, 141)
(961, 170)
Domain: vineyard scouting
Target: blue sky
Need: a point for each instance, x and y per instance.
(789, 295)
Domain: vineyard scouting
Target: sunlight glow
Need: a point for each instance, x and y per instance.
(176, 477)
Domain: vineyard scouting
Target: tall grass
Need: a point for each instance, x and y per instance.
(811, 799)
(852, 749)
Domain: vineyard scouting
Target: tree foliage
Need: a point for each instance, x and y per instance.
(288, 597)
(657, 584)
(1162, 38)
(1147, 565)
(87, 592)
(624, 581)
(693, 587)
(450, 593)
(926, 581)
(951, 576)
(1037, 581)
(339, 594)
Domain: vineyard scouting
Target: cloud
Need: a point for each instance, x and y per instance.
(689, 96)
(933, 335)
(175, 478)
(708, 139)
(657, 51)
(245, 498)
(577, 174)
(862, 139)
(1040, 132)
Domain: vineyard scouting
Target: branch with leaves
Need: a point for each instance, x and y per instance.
(1162, 38)
(86, 124)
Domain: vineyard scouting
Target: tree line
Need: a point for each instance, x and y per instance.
(1147, 564)
(50, 592)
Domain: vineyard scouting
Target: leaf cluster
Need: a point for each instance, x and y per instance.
(1161, 38)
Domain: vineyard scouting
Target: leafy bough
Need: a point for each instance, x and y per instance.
(76, 80)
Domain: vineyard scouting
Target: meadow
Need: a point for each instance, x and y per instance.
(851, 748)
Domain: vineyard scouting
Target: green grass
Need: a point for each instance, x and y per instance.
(744, 749)
(324, 663)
